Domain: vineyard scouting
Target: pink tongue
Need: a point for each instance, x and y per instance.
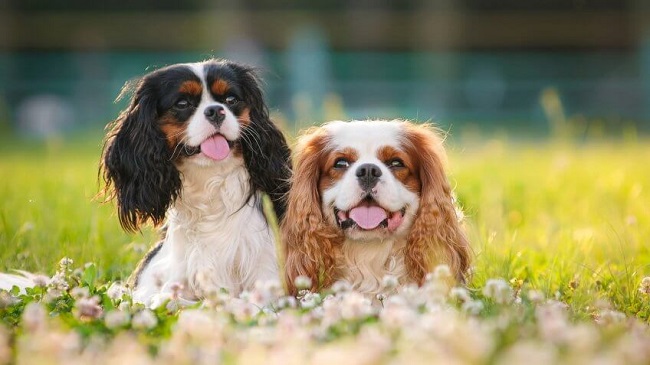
(368, 217)
(216, 147)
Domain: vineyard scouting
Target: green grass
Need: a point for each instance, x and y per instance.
(568, 219)
(49, 209)
(571, 220)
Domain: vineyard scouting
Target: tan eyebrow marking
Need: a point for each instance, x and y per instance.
(408, 174)
(330, 175)
(220, 87)
(191, 87)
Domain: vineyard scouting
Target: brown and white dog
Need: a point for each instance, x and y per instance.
(369, 199)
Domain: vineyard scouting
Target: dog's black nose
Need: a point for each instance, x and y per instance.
(215, 114)
(368, 175)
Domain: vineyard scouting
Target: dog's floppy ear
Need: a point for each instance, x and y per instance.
(266, 153)
(309, 241)
(136, 164)
(436, 229)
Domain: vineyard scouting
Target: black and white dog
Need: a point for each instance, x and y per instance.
(195, 150)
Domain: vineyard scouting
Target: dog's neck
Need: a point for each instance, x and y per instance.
(364, 264)
(212, 191)
(216, 233)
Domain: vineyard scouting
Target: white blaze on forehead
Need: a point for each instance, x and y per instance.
(199, 128)
(366, 137)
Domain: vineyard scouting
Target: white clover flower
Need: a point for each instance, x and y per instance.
(341, 286)
(472, 307)
(159, 299)
(355, 305)
(80, 292)
(535, 296)
(6, 299)
(198, 324)
(329, 313)
(498, 290)
(460, 294)
(117, 290)
(397, 314)
(303, 282)
(272, 287)
(412, 294)
(310, 300)
(644, 287)
(34, 317)
(124, 306)
(434, 292)
(65, 263)
(52, 294)
(40, 280)
(264, 293)
(173, 305)
(552, 319)
(117, 318)
(389, 282)
(176, 290)
(59, 282)
(88, 308)
(241, 310)
(608, 317)
(442, 272)
(287, 302)
(144, 319)
(528, 352)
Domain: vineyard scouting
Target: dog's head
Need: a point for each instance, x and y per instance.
(199, 114)
(371, 181)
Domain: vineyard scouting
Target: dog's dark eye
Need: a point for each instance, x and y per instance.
(395, 163)
(182, 104)
(341, 163)
(231, 100)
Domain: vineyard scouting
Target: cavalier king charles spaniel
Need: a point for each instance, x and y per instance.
(371, 198)
(195, 150)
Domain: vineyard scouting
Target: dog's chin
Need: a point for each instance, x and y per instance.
(368, 221)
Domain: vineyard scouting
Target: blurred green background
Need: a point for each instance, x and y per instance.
(547, 103)
(466, 64)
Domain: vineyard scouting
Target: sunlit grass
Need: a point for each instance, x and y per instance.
(569, 219)
(48, 209)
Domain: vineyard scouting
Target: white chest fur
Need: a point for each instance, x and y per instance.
(216, 237)
(364, 264)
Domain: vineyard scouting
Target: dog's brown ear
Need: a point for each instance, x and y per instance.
(436, 236)
(309, 241)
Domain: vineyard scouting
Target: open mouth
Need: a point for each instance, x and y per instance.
(216, 147)
(369, 215)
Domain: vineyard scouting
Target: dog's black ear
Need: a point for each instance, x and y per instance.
(137, 165)
(266, 153)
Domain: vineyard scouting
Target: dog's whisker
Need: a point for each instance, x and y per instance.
(254, 136)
